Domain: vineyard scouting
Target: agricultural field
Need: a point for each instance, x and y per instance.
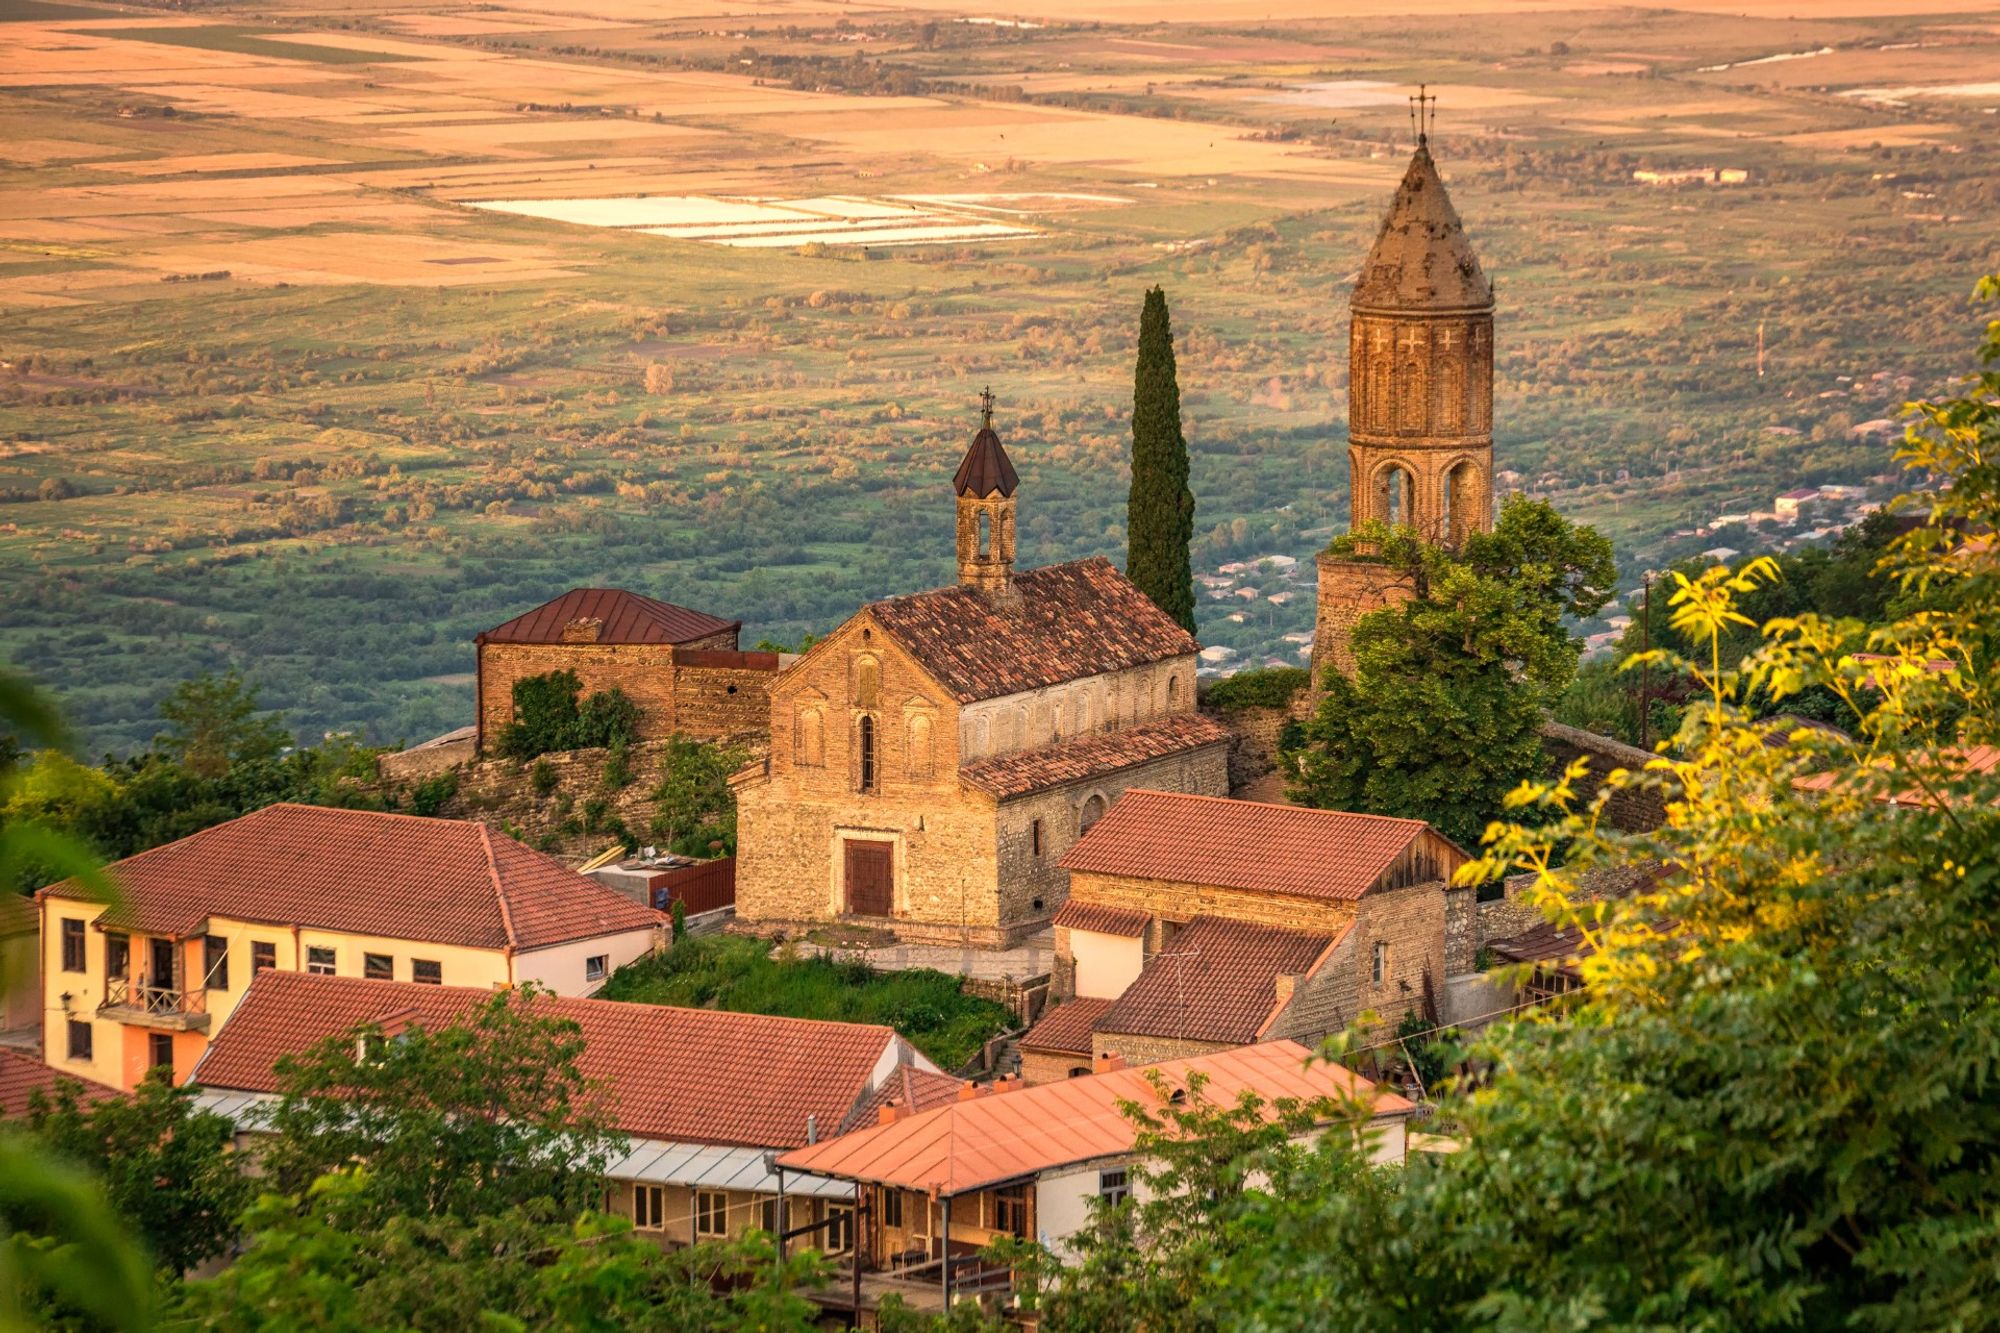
(332, 335)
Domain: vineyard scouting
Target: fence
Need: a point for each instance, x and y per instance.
(698, 888)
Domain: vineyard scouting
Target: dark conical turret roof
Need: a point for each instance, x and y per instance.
(986, 470)
(1422, 259)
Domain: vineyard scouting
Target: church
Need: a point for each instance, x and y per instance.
(935, 756)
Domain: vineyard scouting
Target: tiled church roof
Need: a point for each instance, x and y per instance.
(1061, 622)
(1101, 752)
(627, 618)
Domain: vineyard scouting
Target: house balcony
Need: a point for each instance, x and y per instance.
(919, 1283)
(167, 1008)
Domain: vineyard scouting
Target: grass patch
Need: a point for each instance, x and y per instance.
(43, 11)
(247, 41)
(738, 974)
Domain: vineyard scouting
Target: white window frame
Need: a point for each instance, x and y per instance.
(314, 965)
(1381, 962)
(597, 967)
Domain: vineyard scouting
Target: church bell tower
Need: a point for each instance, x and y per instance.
(1419, 396)
(1420, 381)
(985, 484)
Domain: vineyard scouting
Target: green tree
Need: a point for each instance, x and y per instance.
(1443, 714)
(474, 1116)
(1773, 1104)
(214, 722)
(1159, 516)
(548, 716)
(323, 1261)
(694, 807)
(61, 1245)
(165, 1164)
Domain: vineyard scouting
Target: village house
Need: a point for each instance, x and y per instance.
(1195, 923)
(703, 1098)
(938, 1185)
(297, 888)
(681, 667)
(934, 757)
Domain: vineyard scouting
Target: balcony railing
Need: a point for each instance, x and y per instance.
(155, 1006)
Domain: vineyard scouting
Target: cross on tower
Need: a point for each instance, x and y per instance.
(1448, 337)
(1423, 113)
(986, 407)
(1412, 339)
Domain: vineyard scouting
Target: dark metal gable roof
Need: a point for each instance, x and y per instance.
(627, 616)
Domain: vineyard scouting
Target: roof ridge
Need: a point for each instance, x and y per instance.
(1268, 805)
(961, 588)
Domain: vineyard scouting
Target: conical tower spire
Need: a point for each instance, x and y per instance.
(1422, 259)
(985, 485)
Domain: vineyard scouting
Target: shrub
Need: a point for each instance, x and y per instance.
(544, 777)
(547, 716)
(429, 796)
(1267, 687)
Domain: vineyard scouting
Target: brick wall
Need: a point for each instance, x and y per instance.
(699, 701)
(721, 694)
(1630, 810)
(1046, 1067)
(1180, 901)
(1349, 590)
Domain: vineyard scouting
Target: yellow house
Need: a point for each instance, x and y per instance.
(148, 981)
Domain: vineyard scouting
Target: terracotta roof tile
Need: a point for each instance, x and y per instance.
(911, 1088)
(692, 1075)
(1063, 622)
(18, 914)
(1235, 844)
(1090, 756)
(1215, 981)
(627, 618)
(968, 1145)
(442, 881)
(1104, 920)
(22, 1075)
(1422, 258)
(1066, 1027)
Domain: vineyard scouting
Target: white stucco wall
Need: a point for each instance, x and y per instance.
(1105, 964)
(560, 967)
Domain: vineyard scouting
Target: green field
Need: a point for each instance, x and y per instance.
(335, 483)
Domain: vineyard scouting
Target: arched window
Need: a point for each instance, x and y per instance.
(920, 745)
(1380, 403)
(1173, 694)
(1410, 406)
(1395, 495)
(867, 682)
(1082, 713)
(1093, 810)
(809, 737)
(1449, 411)
(866, 768)
(1462, 500)
(985, 535)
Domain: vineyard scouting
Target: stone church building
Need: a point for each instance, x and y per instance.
(1420, 399)
(935, 756)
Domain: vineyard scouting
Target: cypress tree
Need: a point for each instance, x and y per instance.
(1159, 517)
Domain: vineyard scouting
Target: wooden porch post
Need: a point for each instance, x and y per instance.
(944, 1249)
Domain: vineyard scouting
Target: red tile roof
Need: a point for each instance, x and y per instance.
(442, 881)
(22, 1075)
(690, 1075)
(911, 1088)
(1062, 622)
(1214, 981)
(1104, 920)
(1234, 844)
(1066, 1027)
(1969, 761)
(627, 617)
(969, 1145)
(1092, 756)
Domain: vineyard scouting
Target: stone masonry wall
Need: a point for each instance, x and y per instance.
(1412, 921)
(723, 694)
(1180, 902)
(1149, 1050)
(645, 671)
(1253, 748)
(1349, 590)
(1629, 810)
(1045, 1067)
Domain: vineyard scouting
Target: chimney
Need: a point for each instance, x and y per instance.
(1110, 1063)
(889, 1112)
(812, 1129)
(967, 1091)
